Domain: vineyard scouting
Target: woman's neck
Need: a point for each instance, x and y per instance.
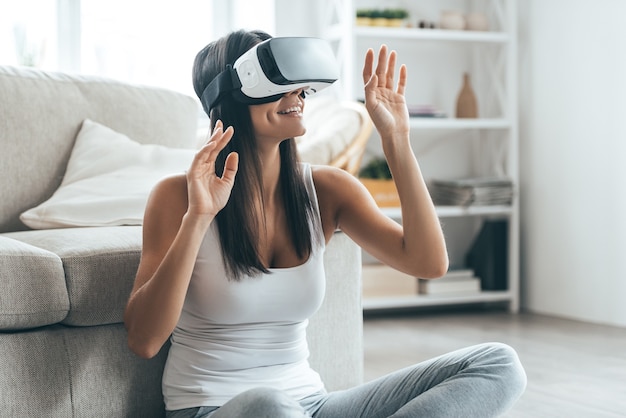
(270, 166)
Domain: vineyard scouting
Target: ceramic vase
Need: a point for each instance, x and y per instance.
(466, 105)
(476, 21)
(452, 20)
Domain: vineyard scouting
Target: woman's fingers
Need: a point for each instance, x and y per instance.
(230, 167)
(368, 65)
(217, 141)
(220, 136)
(211, 133)
(381, 67)
(385, 69)
(402, 80)
(224, 137)
(391, 67)
(203, 153)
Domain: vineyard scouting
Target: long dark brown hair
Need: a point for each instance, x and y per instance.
(238, 224)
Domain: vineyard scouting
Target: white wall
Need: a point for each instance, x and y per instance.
(297, 17)
(573, 158)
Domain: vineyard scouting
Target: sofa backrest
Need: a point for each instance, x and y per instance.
(41, 113)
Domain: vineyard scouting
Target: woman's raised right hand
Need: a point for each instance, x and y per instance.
(208, 193)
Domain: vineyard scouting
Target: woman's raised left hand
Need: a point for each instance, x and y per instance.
(384, 101)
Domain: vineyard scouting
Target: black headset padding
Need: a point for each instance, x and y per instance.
(224, 83)
(228, 82)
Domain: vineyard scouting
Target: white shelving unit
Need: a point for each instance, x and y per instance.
(459, 211)
(430, 34)
(451, 123)
(488, 145)
(383, 303)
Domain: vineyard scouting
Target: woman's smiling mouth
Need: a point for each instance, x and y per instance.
(295, 110)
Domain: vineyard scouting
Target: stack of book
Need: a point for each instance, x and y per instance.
(380, 280)
(455, 281)
(480, 191)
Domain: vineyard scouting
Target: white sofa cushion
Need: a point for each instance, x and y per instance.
(107, 180)
(331, 127)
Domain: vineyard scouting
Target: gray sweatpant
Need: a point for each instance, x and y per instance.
(479, 381)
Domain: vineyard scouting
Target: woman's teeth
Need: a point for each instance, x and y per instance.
(293, 109)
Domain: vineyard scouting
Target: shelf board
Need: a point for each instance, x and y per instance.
(458, 211)
(415, 301)
(454, 123)
(432, 34)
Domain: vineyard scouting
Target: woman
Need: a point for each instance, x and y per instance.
(231, 265)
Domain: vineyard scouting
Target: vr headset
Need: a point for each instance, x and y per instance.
(272, 68)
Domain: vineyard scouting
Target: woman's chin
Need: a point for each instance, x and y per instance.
(294, 131)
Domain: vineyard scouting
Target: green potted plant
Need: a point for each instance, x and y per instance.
(363, 17)
(376, 177)
(395, 17)
(378, 17)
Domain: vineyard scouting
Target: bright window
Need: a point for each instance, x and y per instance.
(253, 14)
(150, 42)
(144, 41)
(28, 33)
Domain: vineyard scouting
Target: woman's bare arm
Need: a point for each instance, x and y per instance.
(416, 247)
(178, 214)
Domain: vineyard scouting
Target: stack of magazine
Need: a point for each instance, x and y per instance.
(479, 191)
(425, 111)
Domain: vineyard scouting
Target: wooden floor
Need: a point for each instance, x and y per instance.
(574, 369)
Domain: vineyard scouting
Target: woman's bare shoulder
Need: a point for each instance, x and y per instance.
(332, 178)
(339, 192)
(172, 183)
(168, 197)
(337, 183)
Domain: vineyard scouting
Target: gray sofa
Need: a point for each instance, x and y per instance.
(63, 350)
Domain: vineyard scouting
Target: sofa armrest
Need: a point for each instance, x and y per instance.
(335, 332)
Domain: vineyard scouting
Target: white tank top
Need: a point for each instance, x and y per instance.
(237, 335)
